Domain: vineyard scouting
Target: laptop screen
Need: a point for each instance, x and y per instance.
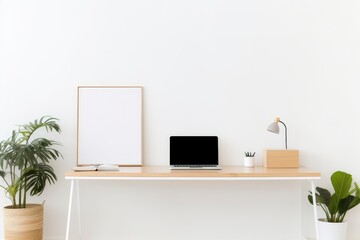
(194, 150)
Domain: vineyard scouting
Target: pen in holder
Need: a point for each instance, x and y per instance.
(249, 159)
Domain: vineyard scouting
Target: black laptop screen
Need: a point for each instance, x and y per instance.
(194, 150)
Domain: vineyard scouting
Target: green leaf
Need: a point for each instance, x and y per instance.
(344, 204)
(341, 182)
(37, 176)
(325, 195)
(319, 199)
(333, 204)
(357, 190)
(310, 198)
(354, 202)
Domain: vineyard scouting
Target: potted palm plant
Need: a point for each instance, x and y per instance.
(335, 206)
(25, 170)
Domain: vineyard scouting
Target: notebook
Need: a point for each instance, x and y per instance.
(97, 167)
(194, 152)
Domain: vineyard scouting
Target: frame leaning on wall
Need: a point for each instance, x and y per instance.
(109, 125)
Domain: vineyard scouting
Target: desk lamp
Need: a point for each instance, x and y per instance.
(280, 158)
(274, 128)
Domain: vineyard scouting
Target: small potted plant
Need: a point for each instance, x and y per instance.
(249, 159)
(25, 169)
(335, 206)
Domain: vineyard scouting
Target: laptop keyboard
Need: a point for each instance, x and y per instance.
(195, 166)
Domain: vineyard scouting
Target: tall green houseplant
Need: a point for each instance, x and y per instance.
(25, 159)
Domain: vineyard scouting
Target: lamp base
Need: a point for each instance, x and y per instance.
(281, 158)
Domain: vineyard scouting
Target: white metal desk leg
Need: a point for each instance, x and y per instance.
(78, 206)
(314, 208)
(69, 210)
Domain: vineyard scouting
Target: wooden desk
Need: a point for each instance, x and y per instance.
(164, 173)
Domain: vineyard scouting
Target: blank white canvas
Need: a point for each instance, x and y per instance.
(110, 125)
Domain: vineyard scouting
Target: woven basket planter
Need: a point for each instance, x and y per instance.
(24, 223)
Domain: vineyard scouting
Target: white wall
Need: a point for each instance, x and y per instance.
(221, 67)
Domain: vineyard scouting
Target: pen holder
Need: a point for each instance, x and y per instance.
(249, 161)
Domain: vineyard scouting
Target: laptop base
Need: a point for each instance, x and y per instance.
(195, 167)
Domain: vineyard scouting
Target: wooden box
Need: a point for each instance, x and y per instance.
(281, 158)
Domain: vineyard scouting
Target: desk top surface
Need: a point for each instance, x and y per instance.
(226, 172)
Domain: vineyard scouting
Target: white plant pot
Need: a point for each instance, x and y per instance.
(332, 231)
(249, 161)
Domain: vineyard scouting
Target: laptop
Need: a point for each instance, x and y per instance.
(194, 152)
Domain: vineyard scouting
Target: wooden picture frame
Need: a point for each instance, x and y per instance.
(109, 125)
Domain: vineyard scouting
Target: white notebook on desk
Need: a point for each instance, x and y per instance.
(100, 167)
